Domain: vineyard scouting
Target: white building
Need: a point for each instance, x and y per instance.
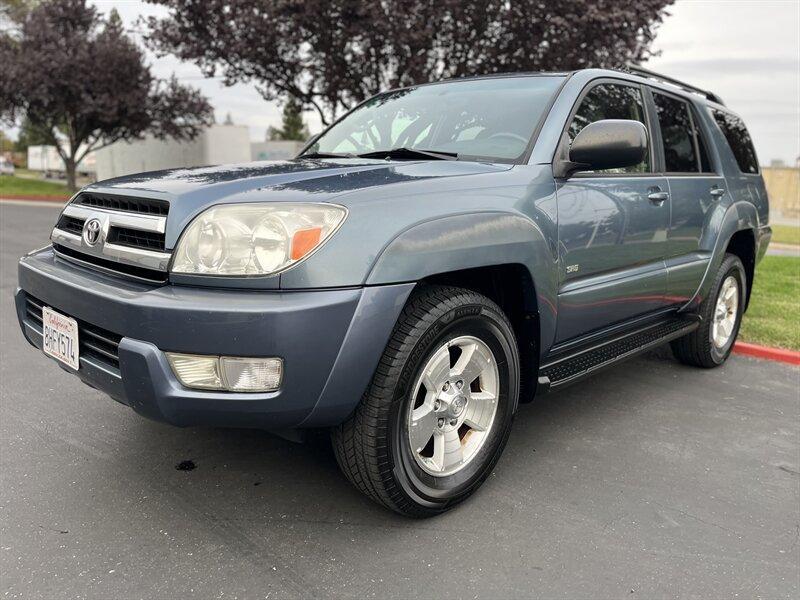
(219, 144)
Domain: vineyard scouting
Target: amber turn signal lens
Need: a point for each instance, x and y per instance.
(304, 241)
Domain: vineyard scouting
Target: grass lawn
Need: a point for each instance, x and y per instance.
(772, 318)
(11, 185)
(786, 234)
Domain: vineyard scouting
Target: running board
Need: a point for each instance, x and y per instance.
(563, 370)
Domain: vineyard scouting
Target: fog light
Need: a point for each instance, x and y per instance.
(252, 374)
(230, 373)
(196, 371)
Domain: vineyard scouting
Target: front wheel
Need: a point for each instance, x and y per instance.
(438, 412)
(710, 344)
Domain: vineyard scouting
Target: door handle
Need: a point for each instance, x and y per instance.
(717, 193)
(658, 197)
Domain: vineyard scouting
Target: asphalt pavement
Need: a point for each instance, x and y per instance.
(650, 480)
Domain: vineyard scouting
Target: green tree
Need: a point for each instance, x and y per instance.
(292, 127)
(6, 143)
(331, 54)
(13, 11)
(84, 81)
(32, 135)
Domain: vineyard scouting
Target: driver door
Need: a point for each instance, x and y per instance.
(612, 226)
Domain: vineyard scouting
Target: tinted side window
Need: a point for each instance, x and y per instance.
(677, 133)
(611, 101)
(705, 163)
(739, 140)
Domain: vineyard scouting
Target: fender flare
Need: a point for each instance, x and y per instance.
(472, 240)
(723, 224)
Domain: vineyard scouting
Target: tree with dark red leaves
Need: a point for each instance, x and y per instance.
(330, 54)
(80, 80)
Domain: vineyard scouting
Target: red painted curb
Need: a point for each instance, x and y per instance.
(791, 357)
(36, 198)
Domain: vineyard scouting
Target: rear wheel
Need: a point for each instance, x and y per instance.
(438, 412)
(710, 344)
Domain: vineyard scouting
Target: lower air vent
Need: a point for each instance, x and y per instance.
(94, 342)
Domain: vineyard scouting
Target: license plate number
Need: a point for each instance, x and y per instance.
(60, 337)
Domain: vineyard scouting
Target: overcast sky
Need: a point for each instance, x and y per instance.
(746, 51)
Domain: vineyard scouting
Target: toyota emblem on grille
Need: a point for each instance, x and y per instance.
(91, 231)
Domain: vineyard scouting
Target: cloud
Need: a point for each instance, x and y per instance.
(747, 52)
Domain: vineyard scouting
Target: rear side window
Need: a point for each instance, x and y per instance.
(739, 140)
(611, 101)
(684, 148)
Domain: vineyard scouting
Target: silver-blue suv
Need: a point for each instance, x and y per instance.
(438, 255)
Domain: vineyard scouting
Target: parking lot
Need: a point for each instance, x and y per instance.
(650, 480)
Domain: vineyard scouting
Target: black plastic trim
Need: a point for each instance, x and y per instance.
(109, 266)
(147, 206)
(574, 366)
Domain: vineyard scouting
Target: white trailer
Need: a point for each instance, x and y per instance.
(47, 160)
(218, 144)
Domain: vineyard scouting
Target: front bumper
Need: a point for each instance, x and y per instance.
(330, 341)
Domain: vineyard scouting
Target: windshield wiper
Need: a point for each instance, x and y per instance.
(327, 155)
(410, 153)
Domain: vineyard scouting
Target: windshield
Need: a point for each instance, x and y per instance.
(481, 118)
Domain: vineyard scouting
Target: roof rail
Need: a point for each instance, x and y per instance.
(637, 70)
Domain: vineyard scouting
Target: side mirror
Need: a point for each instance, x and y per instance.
(606, 144)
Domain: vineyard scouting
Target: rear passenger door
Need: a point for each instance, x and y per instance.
(612, 225)
(695, 186)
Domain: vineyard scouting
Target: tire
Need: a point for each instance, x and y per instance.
(374, 446)
(699, 348)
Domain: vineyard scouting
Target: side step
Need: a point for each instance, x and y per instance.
(563, 370)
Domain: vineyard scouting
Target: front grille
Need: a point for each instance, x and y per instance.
(93, 341)
(147, 206)
(135, 238)
(129, 244)
(71, 224)
(150, 275)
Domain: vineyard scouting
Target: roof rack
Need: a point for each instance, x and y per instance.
(637, 70)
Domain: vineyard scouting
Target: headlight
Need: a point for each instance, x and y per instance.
(254, 239)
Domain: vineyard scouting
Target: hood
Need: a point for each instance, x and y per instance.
(191, 190)
(252, 181)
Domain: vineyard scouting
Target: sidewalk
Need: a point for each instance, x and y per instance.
(783, 250)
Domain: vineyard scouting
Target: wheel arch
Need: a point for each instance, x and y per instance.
(465, 247)
(730, 229)
(743, 244)
(512, 288)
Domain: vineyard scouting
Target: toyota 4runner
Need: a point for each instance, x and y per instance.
(436, 256)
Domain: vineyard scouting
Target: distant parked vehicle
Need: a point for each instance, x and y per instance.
(6, 166)
(438, 255)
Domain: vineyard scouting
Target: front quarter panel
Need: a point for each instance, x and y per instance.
(523, 232)
(405, 233)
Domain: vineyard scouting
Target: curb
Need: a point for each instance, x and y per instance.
(33, 198)
(791, 357)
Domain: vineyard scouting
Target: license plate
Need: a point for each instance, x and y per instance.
(60, 337)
